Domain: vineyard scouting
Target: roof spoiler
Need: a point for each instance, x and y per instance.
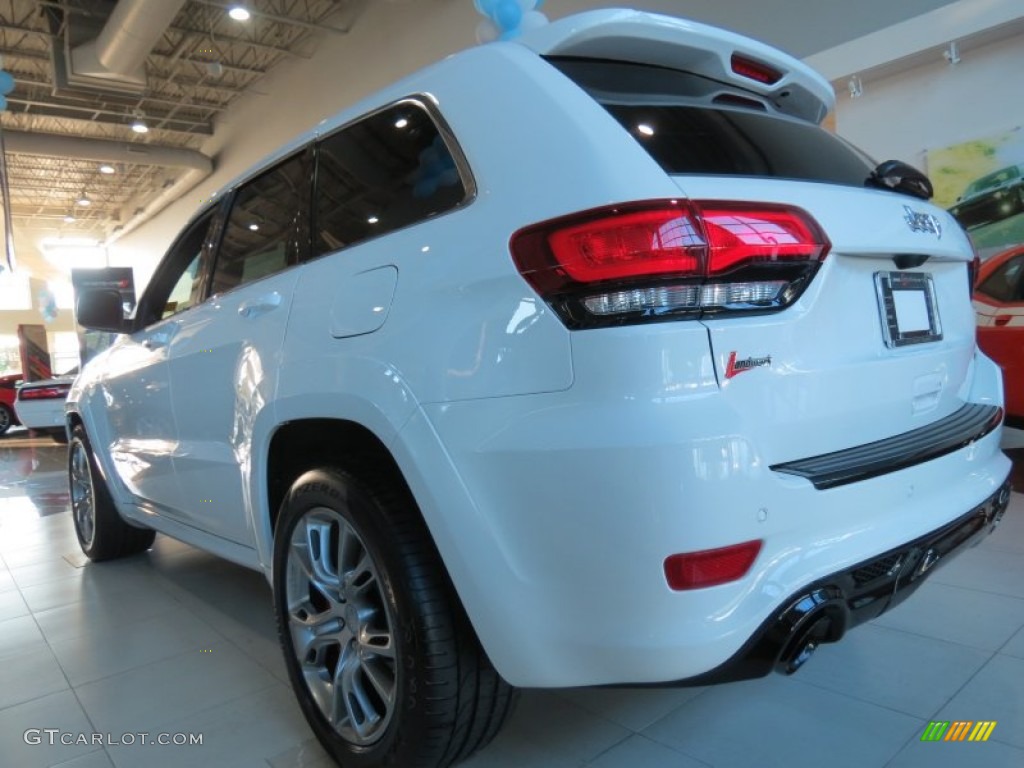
(647, 38)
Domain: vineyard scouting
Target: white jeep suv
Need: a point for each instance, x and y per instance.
(583, 359)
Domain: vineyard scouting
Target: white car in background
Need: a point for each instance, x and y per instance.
(40, 404)
(583, 359)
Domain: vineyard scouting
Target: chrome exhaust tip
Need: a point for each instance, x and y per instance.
(800, 649)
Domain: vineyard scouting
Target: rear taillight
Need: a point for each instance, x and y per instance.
(972, 273)
(45, 393)
(666, 259)
(710, 567)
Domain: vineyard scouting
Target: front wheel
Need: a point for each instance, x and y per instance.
(101, 532)
(381, 657)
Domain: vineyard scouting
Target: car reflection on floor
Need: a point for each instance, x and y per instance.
(33, 475)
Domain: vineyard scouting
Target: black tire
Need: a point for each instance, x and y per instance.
(447, 701)
(7, 418)
(102, 533)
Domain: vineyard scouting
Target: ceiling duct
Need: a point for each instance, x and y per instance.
(109, 56)
(101, 150)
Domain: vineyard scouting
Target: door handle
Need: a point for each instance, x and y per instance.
(260, 305)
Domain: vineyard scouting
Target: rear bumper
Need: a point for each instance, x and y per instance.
(824, 610)
(41, 414)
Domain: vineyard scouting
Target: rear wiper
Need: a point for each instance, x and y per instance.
(897, 176)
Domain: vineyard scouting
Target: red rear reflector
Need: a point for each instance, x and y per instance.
(755, 70)
(710, 567)
(45, 393)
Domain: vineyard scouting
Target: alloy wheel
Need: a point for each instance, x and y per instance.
(83, 506)
(341, 626)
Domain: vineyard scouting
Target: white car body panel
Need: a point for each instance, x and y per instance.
(557, 469)
(46, 413)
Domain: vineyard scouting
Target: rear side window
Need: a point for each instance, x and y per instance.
(268, 227)
(693, 125)
(1005, 284)
(387, 171)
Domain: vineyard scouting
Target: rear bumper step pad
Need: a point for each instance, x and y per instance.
(972, 422)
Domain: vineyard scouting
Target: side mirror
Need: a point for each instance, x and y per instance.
(900, 177)
(100, 310)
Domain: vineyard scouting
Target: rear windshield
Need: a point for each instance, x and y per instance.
(693, 125)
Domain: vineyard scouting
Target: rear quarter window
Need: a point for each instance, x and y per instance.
(382, 173)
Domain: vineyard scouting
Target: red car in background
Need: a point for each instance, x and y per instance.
(999, 305)
(8, 391)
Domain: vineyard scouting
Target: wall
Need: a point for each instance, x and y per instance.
(392, 39)
(935, 105)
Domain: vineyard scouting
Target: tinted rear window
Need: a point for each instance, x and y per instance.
(693, 125)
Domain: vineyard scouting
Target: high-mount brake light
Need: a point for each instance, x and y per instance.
(665, 259)
(754, 70)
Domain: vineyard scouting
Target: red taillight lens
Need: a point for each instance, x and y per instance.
(741, 235)
(665, 259)
(755, 70)
(628, 245)
(45, 393)
(710, 567)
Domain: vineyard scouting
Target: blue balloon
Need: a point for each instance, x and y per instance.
(6, 83)
(3, 104)
(486, 7)
(508, 14)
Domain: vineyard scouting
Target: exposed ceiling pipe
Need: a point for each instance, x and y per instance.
(116, 59)
(100, 150)
(132, 30)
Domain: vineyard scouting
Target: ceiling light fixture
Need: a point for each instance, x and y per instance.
(254, 227)
(139, 126)
(107, 169)
(239, 13)
(70, 219)
(83, 200)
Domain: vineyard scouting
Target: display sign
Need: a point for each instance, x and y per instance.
(35, 353)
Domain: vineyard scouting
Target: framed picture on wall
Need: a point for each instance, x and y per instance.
(981, 182)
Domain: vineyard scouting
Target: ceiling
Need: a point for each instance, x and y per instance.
(80, 84)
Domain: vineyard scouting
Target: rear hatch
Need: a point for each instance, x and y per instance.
(837, 314)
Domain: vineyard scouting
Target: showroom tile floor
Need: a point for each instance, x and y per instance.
(176, 641)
